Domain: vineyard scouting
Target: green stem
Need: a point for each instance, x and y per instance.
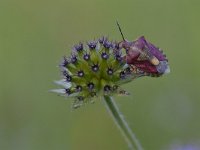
(126, 131)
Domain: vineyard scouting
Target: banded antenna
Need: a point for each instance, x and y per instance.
(120, 30)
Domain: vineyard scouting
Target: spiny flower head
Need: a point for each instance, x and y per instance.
(99, 68)
(94, 69)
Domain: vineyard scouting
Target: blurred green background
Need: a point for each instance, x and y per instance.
(35, 34)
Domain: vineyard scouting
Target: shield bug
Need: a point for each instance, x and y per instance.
(143, 56)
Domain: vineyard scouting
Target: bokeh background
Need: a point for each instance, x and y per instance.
(35, 34)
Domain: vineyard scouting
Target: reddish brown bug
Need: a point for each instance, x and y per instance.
(142, 55)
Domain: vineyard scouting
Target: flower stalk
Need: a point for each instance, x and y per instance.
(121, 123)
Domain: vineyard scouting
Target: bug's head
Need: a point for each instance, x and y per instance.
(146, 57)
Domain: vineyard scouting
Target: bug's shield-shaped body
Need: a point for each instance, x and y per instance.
(144, 56)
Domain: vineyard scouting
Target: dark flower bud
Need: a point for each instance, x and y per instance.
(104, 55)
(92, 44)
(80, 73)
(79, 47)
(95, 67)
(109, 71)
(107, 44)
(86, 57)
(118, 55)
(90, 85)
(73, 59)
(79, 88)
(68, 78)
(64, 62)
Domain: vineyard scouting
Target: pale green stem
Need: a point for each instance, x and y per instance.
(126, 131)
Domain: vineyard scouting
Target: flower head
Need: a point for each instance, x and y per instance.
(96, 71)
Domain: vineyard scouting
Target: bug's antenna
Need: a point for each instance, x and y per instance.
(120, 30)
